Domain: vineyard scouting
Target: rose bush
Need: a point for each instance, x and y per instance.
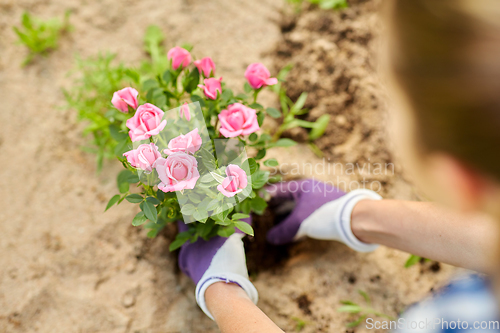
(170, 122)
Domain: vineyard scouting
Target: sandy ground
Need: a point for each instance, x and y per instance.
(68, 267)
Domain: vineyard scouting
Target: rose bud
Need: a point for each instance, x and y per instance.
(211, 87)
(235, 181)
(177, 172)
(188, 143)
(205, 66)
(143, 157)
(124, 98)
(180, 57)
(258, 76)
(238, 119)
(146, 122)
(184, 111)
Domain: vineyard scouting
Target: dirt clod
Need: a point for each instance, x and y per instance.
(304, 304)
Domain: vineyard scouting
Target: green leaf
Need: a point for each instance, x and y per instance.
(188, 209)
(259, 178)
(121, 148)
(227, 94)
(225, 231)
(149, 84)
(239, 216)
(192, 80)
(412, 260)
(260, 118)
(253, 137)
(114, 199)
(261, 154)
(272, 162)
(150, 211)
(350, 308)
(133, 75)
(187, 47)
(284, 143)
(245, 227)
(333, 4)
(204, 229)
(208, 159)
(196, 98)
(153, 200)
(319, 127)
(299, 104)
(132, 179)
(180, 239)
(160, 100)
(139, 219)
(275, 113)
(154, 35)
(265, 137)
(152, 233)
(365, 296)
(122, 180)
(256, 106)
(116, 133)
(346, 302)
(247, 88)
(134, 198)
(258, 205)
(356, 322)
(241, 96)
(167, 76)
(252, 165)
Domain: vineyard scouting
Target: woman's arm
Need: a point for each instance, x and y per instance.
(427, 230)
(235, 312)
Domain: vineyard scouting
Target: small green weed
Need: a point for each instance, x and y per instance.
(39, 36)
(323, 4)
(360, 312)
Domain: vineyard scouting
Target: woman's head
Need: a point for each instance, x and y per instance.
(444, 57)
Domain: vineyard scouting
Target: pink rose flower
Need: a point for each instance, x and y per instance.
(143, 157)
(258, 76)
(238, 119)
(179, 57)
(124, 98)
(188, 143)
(177, 172)
(205, 66)
(146, 122)
(235, 181)
(212, 85)
(184, 111)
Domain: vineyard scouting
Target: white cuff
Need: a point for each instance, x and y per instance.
(241, 281)
(344, 218)
(332, 221)
(228, 265)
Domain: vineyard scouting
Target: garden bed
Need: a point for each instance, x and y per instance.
(71, 267)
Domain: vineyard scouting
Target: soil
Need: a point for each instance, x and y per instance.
(69, 267)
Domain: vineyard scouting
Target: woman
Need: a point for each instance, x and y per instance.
(444, 58)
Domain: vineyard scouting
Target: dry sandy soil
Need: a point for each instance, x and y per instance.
(68, 267)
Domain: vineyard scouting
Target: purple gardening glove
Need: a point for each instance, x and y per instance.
(218, 259)
(317, 210)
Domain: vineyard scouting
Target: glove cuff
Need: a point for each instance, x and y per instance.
(228, 265)
(227, 277)
(344, 217)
